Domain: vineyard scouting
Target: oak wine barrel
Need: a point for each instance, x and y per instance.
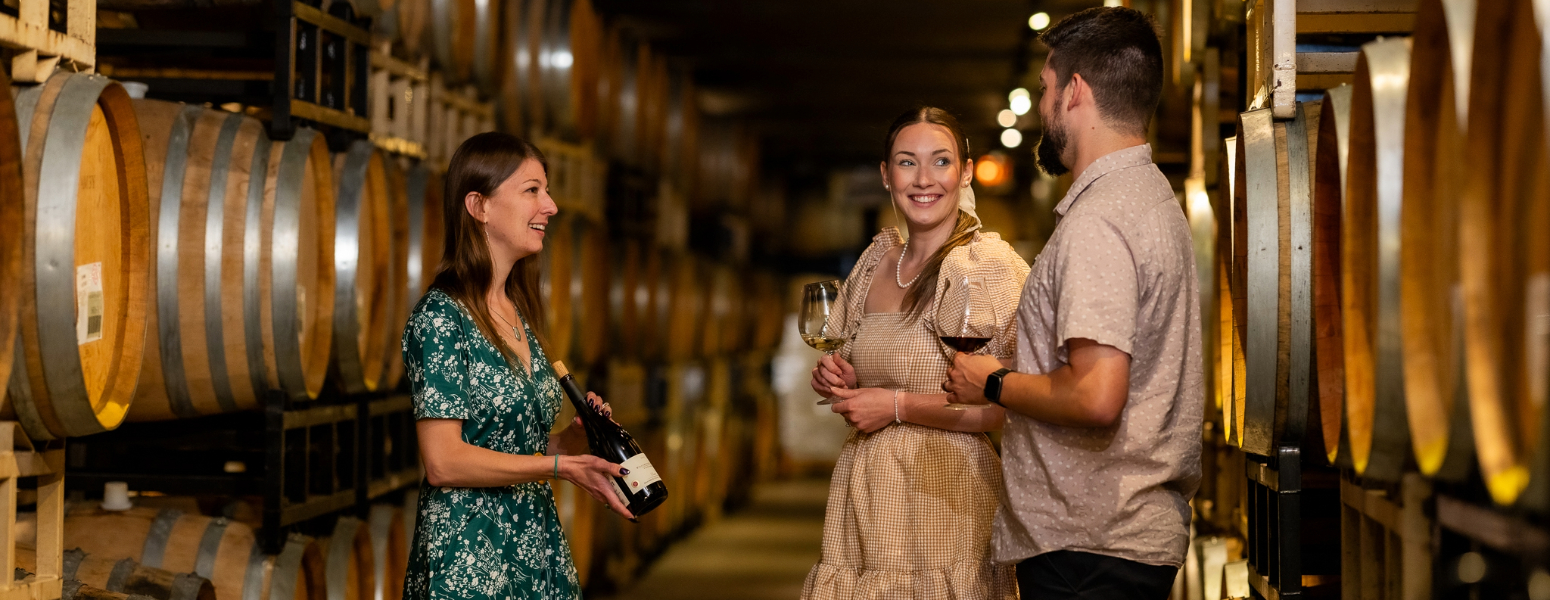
(619, 92)
(367, 274)
(12, 202)
(1230, 353)
(589, 292)
(628, 297)
(651, 107)
(123, 576)
(680, 307)
(373, 8)
(1537, 495)
(1237, 282)
(86, 240)
(422, 191)
(1329, 192)
(765, 310)
(487, 66)
(201, 356)
(225, 552)
(568, 67)
(404, 24)
(579, 513)
(556, 268)
(1430, 294)
(722, 333)
(681, 147)
(518, 62)
(454, 37)
(296, 265)
(1377, 425)
(389, 550)
(1505, 258)
(1274, 164)
(349, 565)
(403, 294)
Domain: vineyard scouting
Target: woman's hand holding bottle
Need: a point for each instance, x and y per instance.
(595, 475)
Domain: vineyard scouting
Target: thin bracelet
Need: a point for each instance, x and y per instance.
(896, 420)
(556, 466)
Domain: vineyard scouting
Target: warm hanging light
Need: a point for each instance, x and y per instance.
(1021, 105)
(1006, 118)
(1017, 93)
(1038, 21)
(991, 170)
(1011, 138)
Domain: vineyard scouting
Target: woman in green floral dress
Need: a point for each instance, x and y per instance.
(485, 397)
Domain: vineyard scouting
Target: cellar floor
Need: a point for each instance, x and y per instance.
(762, 551)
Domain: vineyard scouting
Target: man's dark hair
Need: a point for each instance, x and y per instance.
(1117, 52)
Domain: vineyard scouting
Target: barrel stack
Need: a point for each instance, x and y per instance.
(237, 250)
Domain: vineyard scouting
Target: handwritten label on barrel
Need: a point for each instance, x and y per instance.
(88, 303)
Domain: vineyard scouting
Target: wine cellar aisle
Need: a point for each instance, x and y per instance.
(233, 208)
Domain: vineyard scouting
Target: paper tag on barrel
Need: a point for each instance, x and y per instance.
(88, 303)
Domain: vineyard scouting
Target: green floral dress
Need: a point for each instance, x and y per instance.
(483, 542)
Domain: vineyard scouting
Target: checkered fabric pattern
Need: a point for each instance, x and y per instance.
(911, 507)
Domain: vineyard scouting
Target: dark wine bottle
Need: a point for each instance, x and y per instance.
(642, 489)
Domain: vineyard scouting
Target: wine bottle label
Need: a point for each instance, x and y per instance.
(641, 474)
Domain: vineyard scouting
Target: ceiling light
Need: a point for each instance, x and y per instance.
(1021, 104)
(1038, 21)
(1017, 93)
(1113, 2)
(989, 172)
(1006, 118)
(1011, 138)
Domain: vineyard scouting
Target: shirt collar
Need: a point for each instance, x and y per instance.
(1133, 156)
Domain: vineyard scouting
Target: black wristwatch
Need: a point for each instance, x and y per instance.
(993, 385)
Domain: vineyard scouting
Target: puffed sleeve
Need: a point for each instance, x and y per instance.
(851, 304)
(1002, 271)
(434, 351)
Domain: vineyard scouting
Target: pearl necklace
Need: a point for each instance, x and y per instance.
(898, 268)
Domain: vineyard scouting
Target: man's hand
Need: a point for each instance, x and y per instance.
(832, 372)
(868, 409)
(966, 379)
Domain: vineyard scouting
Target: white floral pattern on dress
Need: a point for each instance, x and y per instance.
(484, 542)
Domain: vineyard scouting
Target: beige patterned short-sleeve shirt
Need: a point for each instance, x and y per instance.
(1120, 270)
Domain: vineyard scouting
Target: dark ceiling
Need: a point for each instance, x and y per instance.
(821, 79)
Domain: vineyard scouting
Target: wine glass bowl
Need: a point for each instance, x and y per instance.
(966, 321)
(819, 301)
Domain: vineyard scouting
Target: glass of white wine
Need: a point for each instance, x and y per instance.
(818, 302)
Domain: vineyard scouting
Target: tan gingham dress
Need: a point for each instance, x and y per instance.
(910, 507)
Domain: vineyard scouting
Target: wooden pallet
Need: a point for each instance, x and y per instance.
(20, 458)
(577, 177)
(1386, 541)
(456, 114)
(400, 103)
(1276, 67)
(40, 48)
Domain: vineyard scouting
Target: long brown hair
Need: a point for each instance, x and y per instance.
(916, 299)
(479, 166)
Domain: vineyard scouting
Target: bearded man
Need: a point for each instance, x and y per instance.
(1101, 448)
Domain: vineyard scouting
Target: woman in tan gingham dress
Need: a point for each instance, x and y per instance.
(911, 500)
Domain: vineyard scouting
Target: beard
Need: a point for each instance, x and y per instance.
(1052, 144)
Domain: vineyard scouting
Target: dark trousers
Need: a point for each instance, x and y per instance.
(1069, 574)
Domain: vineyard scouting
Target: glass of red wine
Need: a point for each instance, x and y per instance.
(966, 321)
